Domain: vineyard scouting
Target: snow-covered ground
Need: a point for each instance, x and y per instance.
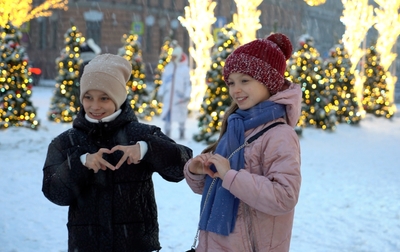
(350, 195)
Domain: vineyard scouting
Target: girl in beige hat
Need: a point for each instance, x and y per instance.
(102, 167)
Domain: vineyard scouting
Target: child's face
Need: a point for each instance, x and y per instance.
(98, 104)
(246, 91)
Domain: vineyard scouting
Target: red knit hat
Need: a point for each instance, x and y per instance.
(262, 59)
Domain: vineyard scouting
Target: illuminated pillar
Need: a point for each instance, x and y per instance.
(247, 19)
(198, 20)
(358, 17)
(388, 26)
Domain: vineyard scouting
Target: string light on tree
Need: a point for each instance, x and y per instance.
(247, 19)
(19, 12)
(16, 109)
(375, 95)
(198, 20)
(136, 86)
(65, 102)
(305, 68)
(388, 26)
(155, 107)
(340, 79)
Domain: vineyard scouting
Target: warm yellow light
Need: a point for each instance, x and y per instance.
(358, 17)
(19, 12)
(198, 20)
(388, 27)
(314, 2)
(247, 19)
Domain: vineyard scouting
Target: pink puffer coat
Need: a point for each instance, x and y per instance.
(268, 187)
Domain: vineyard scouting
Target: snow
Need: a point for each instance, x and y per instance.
(349, 200)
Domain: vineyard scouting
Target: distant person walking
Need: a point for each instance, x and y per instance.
(175, 92)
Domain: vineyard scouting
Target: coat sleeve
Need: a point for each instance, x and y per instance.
(166, 156)
(276, 190)
(64, 176)
(194, 181)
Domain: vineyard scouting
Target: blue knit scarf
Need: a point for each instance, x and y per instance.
(219, 214)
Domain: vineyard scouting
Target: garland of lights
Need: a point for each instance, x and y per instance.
(198, 20)
(247, 20)
(20, 12)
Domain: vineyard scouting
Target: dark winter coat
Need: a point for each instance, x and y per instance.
(111, 210)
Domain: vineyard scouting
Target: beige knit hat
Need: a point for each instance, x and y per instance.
(108, 73)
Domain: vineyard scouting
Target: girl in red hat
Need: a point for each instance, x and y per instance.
(250, 178)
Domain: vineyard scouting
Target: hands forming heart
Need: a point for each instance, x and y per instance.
(96, 161)
(201, 165)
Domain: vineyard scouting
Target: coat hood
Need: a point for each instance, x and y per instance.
(291, 97)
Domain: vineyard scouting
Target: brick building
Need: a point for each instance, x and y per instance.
(105, 21)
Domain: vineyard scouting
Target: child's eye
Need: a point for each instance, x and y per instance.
(105, 98)
(87, 97)
(229, 83)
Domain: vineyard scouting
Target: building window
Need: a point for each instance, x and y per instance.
(53, 33)
(93, 31)
(93, 25)
(162, 24)
(150, 20)
(42, 33)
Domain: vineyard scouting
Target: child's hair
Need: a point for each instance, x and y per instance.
(231, 109)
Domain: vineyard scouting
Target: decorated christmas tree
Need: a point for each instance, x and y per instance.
(136, 86)
(216, 99)
(16, 109)
(375, 98)
(155, 107)
(65, 102)
(305, 68)
(341, 80)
